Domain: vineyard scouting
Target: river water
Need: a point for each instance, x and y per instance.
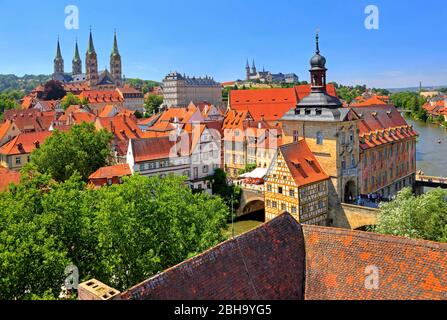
(430, 155)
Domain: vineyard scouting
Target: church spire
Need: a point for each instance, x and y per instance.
(76, 63)
(253, 67)
(58, 51)
(58, 61)
(76, 55)
(115, 63)
(317, 43)
(91, 47)
(115, 50)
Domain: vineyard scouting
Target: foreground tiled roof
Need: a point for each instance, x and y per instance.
(283, 260)
(337, 262)
(267, 263)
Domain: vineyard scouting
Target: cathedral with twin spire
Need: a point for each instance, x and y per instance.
(92, 77)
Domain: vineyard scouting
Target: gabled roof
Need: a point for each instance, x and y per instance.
(30, 119)
(338, 262)
(101, 96)
(303, 166)
(122, 126)
(153, 149)
(235, 119)
(119, 170)
(7, 177)
(271, 104)
(382, 124)
(24, 143)
(282, 260)
(373, 101)
(264, 264)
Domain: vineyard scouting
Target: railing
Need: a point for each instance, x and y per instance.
(350, 172)
(431, 179)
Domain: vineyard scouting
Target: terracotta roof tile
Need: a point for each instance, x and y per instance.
(264, 264)
(24, 143)
(119, 170)
(303, 165)
(7, 177)
(337, 262)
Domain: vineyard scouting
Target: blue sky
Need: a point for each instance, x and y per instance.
(215, 38)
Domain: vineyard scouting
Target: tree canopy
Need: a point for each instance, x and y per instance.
(53, 90)
(120, 235)
(83, 149)
(152, 103)
(70, 99)
(423, 217)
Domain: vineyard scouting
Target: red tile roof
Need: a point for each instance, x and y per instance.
(303, 165)
(382, 124)
(271, 104)
(337, 262)
(283, 260)
(119, 170)
(152, 149)
(31, 119)
(24, 143)
(123, 127)
(101, 96)
(7, 177)
(373, 101)
(264, 264)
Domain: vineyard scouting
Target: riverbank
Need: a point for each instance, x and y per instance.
(431, 156)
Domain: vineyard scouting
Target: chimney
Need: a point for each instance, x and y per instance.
(37, 144)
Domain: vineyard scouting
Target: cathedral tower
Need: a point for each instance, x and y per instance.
(115, 63)
(253, 68)
(247, 71)
(91, 63)
(58, 61)
(76, 63)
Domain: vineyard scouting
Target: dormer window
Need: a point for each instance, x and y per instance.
(319, 112)
(297, 111)
(307, 112)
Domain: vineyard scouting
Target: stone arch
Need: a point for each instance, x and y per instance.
(350, 192)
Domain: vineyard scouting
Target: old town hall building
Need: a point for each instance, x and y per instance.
(107, 79)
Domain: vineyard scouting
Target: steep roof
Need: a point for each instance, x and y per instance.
(381, 124)
(303, 165)
(122, 126)
(24, 143)
(30, 119)
(7, 177)
(373, 101)
(152, 148)
(271, 104)
(337, 262)
(119, 170)
(266, 263)
(101, 96)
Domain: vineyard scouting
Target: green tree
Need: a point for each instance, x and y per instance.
(53, 90)
(231, 194)
(423, 217)
(121, 235)
(152, 103)
(32, 262)
(7, 103)
(149, 224)
(82, 150)
(69, 100)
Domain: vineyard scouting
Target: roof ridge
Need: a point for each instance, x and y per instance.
(385, 238)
